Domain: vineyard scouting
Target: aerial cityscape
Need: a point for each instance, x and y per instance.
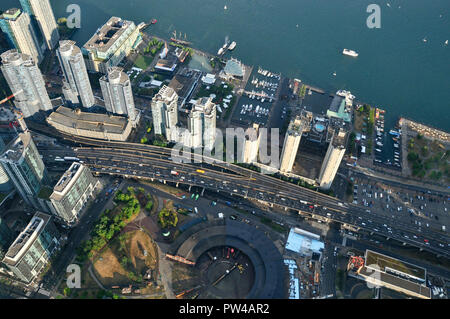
(140, 159)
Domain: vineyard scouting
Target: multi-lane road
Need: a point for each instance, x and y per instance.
(145, 161)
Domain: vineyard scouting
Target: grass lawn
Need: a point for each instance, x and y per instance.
(143, 62)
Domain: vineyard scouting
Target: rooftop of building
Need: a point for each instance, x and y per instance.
(69, 47)
(234, 67)
(14, 57)
(116, 76)
(405, 285)
(26, 238)
(62, 185)
(16, 148)
(303, 242)
(339, 138)
(251, 133)
(338, 108)
(300, 123)
(7, 115)
(166, 94)
(184, 82)
(105, 37)
(386, 263)
(11, 14)
(168, 64)
(204, 105)
(88, 121)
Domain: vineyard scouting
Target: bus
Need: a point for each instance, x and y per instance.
(196, 197)
(192, 196)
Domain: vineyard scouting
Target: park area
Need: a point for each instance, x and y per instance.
(118, 255)
(429, 159)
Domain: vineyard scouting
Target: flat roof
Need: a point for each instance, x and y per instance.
(16, 148)
(404, 284)
(386, 263)
(299, 242)
(26, 238)
(88, 121)
(338, 108)
(65, 180)
(108, 34)
(11, 14)
(234, 67)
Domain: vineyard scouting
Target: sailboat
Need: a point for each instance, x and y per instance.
(178, 40)
(446, 42)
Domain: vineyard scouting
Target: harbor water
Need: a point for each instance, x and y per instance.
(396, 69)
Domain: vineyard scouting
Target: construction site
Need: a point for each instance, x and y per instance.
(215, 260)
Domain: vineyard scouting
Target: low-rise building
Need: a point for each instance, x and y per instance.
(93, 125)
(32, 249)
(110, 44)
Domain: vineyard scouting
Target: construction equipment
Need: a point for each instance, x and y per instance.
(355, 262)
(19, 115)
(181, 259)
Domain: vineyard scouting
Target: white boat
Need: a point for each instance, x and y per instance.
(446, 42)
(232, 46)
(220, 51)
(350, 53)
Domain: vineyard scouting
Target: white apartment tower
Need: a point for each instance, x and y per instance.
(333, 158)
(42, 11)
(251, 145)
(165, 112)
(118, 94)
(26, 82)
(292, 141)
(17, 26)
(76, 85)
(202, 123)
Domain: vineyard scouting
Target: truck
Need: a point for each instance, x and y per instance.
(70, 158)
(443, 227)
(174, 173)
(196, 210)
(200, 171)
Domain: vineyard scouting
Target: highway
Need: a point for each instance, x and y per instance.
(147, 161)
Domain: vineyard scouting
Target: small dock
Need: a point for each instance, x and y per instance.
(258, 94)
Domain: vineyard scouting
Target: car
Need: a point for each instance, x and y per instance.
(233, 217)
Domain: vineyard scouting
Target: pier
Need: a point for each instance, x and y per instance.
(265, 96)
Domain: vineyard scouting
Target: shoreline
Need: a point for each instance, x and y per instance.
(311, 87)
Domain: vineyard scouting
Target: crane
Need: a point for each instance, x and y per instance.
(19, 114)
(6, 99)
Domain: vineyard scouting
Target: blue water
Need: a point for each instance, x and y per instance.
(395, 69)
